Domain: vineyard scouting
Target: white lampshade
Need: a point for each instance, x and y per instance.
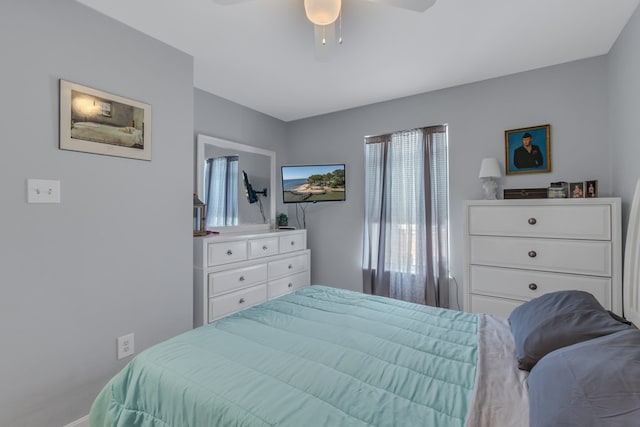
(322, 12)
(490, 168)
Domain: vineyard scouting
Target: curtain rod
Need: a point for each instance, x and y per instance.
(375, 139)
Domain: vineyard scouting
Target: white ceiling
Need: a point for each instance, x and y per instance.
(259, 53)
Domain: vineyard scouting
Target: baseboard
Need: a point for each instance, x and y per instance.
(82, 422)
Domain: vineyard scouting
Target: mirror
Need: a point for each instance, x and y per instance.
(216, 155)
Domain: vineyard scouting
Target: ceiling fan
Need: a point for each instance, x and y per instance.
(324, 14)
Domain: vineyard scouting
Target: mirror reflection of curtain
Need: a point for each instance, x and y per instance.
(406, 216)
(221, 191)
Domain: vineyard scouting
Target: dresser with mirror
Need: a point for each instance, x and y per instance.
(244, 260)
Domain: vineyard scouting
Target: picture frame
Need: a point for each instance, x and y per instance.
(98, 122)
(528, 150)
(591, 189)
(576, 190)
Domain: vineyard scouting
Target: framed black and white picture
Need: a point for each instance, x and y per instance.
(98, 122)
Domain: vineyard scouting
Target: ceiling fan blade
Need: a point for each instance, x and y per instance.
(228, 2)
(417, 5)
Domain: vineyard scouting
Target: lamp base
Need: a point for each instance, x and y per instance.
(490, 188)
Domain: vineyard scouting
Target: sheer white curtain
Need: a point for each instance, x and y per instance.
(406, 221)
(221, 191)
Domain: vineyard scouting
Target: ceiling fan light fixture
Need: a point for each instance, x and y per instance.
(322, 12)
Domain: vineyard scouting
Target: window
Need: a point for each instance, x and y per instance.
(406, 215)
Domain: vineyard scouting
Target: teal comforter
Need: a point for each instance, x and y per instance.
(317, 357)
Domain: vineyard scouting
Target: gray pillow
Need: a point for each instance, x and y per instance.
(593, 383)
(556, 320)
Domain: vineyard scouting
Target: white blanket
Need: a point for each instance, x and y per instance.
(500, 397)
(125, 136)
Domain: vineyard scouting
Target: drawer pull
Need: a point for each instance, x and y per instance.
(229, 252)
(532, 254)
(290, 285)
(241, 278)
(532, 221)
(293, 243)
(533, 286)
(264, 248)
(241, 301)
(290, 266)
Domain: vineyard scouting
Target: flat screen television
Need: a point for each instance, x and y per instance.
(313, 183)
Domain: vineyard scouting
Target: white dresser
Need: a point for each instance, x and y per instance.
(517, 250)
(235, 271)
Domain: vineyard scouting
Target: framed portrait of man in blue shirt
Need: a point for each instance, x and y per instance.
(528, 150)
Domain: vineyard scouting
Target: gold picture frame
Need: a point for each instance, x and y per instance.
(528, 150)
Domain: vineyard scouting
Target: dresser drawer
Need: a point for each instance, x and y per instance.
(497, 306)
(287, 266)
(293, 242)
(225, 252)
(225, 281)
(235, 301)
(568, 256)
(288, 284)
(526, 284)
(562, 221)
(263, 247)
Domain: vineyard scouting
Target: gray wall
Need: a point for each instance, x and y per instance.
(218, 117)
(624, 111)
(571, 97)
(116, 255)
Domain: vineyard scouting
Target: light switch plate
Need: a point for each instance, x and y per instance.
(43, 191)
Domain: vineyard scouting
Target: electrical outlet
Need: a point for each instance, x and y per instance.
(125, 346)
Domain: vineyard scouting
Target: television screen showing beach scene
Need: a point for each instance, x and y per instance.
(314, 183)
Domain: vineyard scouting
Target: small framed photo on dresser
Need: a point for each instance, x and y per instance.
(576, 190)
(591, 188)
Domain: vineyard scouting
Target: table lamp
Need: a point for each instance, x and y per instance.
(489, 170)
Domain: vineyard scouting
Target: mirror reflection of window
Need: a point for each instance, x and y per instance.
(105, 108)
(220, 191)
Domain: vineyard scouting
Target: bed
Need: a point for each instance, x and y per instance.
(126, 136)
(329, 357)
